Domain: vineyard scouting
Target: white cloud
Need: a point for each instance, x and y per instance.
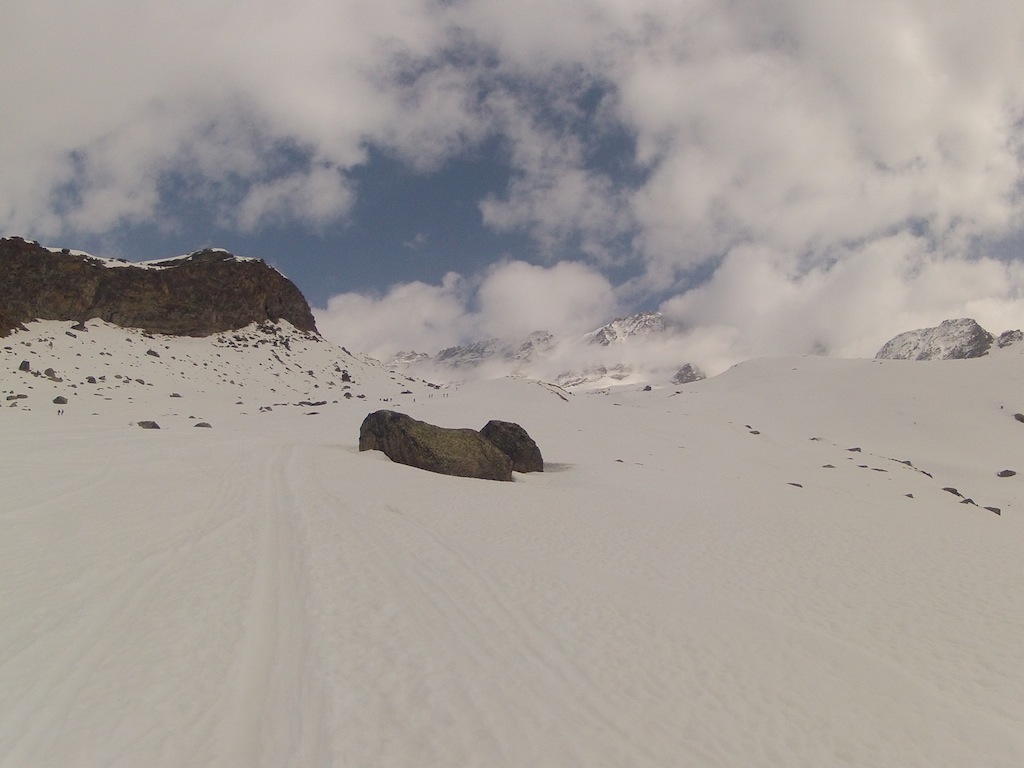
(318, 197)
(834, 158)
(509, 301)
(763, 303)
(516, 299)
(409, 317)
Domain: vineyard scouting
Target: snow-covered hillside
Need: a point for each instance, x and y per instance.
(777, 566)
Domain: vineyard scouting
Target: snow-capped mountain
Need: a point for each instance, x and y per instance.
(473, 355)
(622, 329)
(596, 359)
(957, 339)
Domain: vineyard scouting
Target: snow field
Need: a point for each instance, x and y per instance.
(675, 590)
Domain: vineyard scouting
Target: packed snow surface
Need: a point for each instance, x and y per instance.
(760, 569)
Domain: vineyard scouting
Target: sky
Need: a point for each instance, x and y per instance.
(776, 176)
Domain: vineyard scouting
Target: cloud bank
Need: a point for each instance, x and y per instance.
(786, 176)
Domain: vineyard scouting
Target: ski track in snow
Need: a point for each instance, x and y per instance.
(702, 584)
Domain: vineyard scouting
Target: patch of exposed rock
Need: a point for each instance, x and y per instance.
(687, 374)
(207, 292)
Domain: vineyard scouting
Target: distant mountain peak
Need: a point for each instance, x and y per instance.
(536, 355)
(957, 339)
(622, 328)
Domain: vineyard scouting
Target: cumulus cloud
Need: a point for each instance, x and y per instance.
(801, 175)
(508, 301)
(762, 302)
(408, 317)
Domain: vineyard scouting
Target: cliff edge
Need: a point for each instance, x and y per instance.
(206, 292)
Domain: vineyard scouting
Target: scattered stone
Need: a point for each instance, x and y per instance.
(954, 491)
(69, 333)
(148, 425)
(25, 366)
(909, 495)
(1019, 416)
(90, 379)
(795, 485)
(515, 443)
(1006, 473)
(203, 424)
(994, 509)
(17, 397)
(853, 450)
(969, 501)
(80, 327)
(458, 452)
(828, 466)
(175, 394)
(60, 400)
(152, 353)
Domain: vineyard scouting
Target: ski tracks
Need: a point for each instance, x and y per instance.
(437, 655)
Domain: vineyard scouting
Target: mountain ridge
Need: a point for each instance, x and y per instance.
(202, 293)
(590, 360)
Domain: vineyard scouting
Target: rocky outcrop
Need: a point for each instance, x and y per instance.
(515, 443)
(459, 452)
(950, 340)
(206, 292)
(687, 374)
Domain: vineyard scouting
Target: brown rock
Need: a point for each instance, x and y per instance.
(208, 292)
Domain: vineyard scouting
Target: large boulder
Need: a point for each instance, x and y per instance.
(515, 443)
(459, 452)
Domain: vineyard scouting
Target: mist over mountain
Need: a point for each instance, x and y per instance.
(627, 350)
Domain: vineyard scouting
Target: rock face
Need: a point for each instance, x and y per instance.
(459, 452)
(687, 374)
(206, 292)
(950, 340)
(515, 443)
(624, 328)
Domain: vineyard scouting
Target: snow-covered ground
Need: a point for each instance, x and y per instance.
(761, 569)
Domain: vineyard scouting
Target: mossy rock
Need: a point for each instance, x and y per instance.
(457, 452)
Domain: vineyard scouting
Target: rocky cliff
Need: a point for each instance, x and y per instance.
(958, 339)
(206, 292)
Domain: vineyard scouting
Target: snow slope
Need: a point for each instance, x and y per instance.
(705, 576)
